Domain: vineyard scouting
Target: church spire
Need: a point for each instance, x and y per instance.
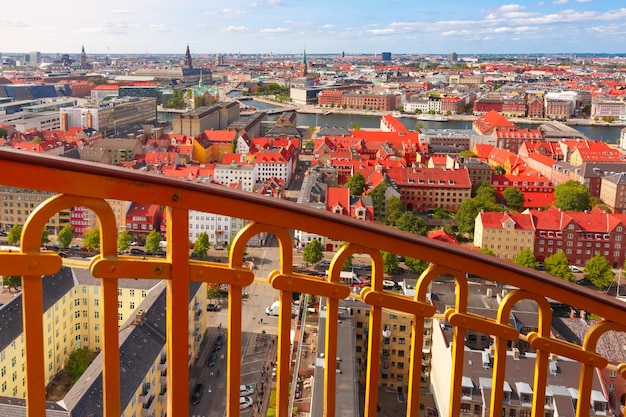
(188, 62)
(304, 65)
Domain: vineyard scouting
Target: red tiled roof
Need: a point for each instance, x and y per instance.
(487, 122)
(495, 220)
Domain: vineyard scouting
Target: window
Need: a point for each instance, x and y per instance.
(401, 340)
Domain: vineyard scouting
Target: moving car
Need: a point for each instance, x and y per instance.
(196, 394)
(245, 402)
(212, 358)
(218, 342)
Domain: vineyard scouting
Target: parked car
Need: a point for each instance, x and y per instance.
(246, 390)
(574, 268)
(212, 358)
(196, 394)
(245, 402)
(212, 307)
(136, 251)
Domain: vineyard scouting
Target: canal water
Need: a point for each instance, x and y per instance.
(609, 134)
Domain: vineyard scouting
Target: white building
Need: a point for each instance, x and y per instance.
(219, 228)
(571, 97)
(236, 173)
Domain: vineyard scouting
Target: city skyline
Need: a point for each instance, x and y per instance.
(289, 26)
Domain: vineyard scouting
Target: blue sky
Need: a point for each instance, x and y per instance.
(320, 26)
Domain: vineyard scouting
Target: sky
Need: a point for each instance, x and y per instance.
(319, 26)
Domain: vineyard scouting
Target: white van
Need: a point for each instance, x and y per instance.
(273, 309)
(574, 268)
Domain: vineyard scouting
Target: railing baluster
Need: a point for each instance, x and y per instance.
(177, 302)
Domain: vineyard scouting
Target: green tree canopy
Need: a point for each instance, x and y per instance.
(394, 209)
(390, 261)
(124, 240)
(45, 236)
(487, 251)
(416, 265)
(467, 154)
(356, 126)
(65, 236)
(527, 258)
(202, 245)
(499, 170)
(12, 281)
(313, 252)
(15, 234)
(3, 133)
(79, 361)
(212, 292)
(470, 207)
(177, 101)
(356, 184)
(572, 196)
(514, 198)
(557, 265)
(153, 241)
(92, 239)
(439, 213)
(598, 271)
(409, 222)
(348, 262)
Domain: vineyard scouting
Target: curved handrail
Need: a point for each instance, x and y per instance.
(97, 182)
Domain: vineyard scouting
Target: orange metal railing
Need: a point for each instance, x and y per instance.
(84, 184)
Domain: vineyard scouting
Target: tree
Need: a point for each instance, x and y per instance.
(153, 241)
(3, 133)
(499, 170)
(514, 198)
(79, 361)
(177, 101)
(12, 281)
(527, 258)
(416, 265)
(313, 252)
(356, 126)
(91, 240)
(468, 210)
(212, 292)
(394, 209)
(557, 265)
(15, 234)
(65, 236)
(356, 184)
(487, 251)
(572, 196)
(467, 154)
(348, 262)
(202, 245)
(45, 239)
(409, 222)
(439, 213)
(598, 271)
(199, 102)
(390, 261)
(124, 240)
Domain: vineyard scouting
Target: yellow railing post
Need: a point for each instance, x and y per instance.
(177, 301)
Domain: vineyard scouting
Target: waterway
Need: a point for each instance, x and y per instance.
(609, 134)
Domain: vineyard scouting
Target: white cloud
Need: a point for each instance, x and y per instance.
(381, 31)
(235, 28)
(561, 1)
(511, 7)
(274, 30)
(584, 1)
(14, 23)
(121, 11)
(328, 26)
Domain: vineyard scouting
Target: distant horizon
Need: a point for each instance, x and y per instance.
(329, 54)
(250, 27)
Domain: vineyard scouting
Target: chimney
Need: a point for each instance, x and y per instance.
(572, 313)
(139, 316)
(583, 315)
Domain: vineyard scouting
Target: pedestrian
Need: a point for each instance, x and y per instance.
(211, 374)
(261, 320)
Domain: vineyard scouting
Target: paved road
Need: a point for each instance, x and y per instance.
(257, 350)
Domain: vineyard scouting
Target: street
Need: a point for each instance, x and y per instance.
(258, 349)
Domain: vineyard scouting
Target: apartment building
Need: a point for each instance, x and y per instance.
(506, 234)
(73, 320)
(613, 192)
(241, 175)
(19, 203)
(220, 229)
(110, 116)
(422, 189)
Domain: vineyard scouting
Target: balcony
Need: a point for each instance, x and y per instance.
(148, 407)
(84, 184)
